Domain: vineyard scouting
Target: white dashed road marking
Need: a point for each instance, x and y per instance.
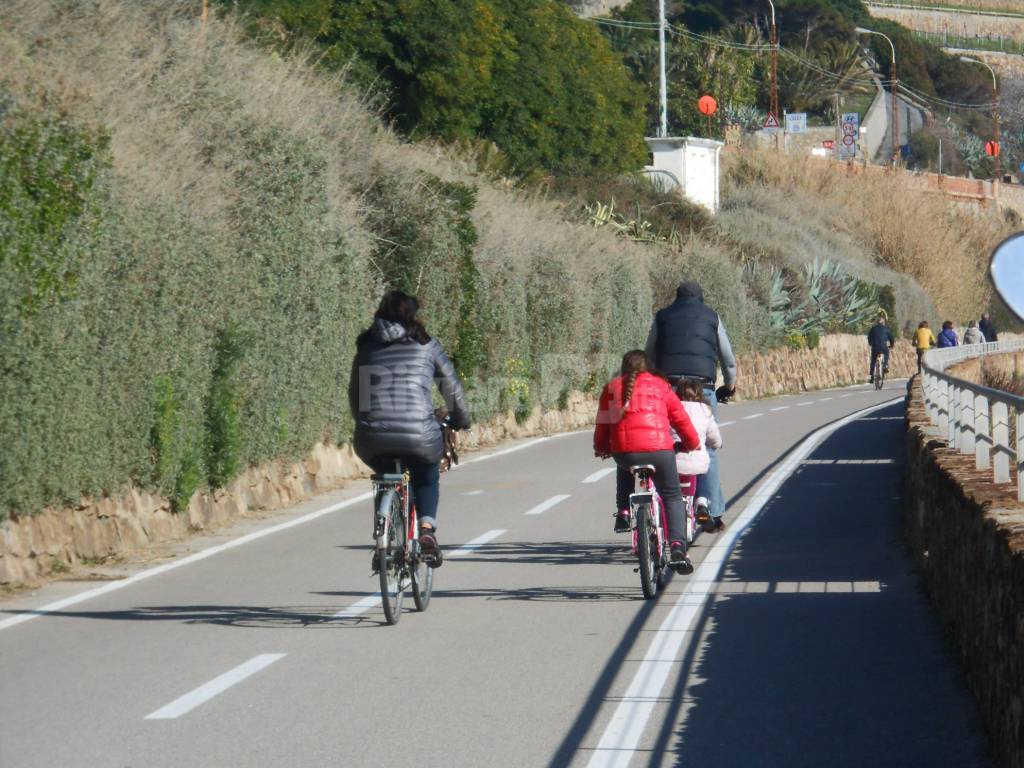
(753, 416)
(780, 408)
(726, 423)
(546, 505)
(599, 474)
(474, 544)
(207, 691)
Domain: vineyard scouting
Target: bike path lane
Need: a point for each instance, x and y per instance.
(512, 645)
(815, 646)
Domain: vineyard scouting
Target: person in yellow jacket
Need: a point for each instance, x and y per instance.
(924, 340)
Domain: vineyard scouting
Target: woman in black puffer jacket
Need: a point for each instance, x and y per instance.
(391, 396)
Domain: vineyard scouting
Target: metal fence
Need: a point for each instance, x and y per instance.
(977, 420)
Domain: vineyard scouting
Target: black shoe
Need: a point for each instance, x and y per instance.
(435, 560)
(375, 561)
(717, 525)
(678, 559)
(622, 522)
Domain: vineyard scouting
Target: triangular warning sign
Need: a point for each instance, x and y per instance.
(771, 121)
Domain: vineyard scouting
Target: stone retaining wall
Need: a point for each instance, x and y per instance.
(59, 539)
(967, 537)
(838, 360)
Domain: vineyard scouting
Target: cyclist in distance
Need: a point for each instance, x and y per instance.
(688, 340)
(391, 397)
(635, 418)
(881, 341)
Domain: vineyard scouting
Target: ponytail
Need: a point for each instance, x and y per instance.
(633, 364)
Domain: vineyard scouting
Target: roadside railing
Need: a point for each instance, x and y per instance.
(976, 419)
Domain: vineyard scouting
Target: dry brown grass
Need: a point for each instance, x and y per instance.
(944, 246)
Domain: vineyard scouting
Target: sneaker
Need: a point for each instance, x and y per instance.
(622, 521)
(702, 508)
(375, 561)
(678, 559)
(717, 525)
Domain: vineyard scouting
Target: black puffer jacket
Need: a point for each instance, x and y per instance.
(391, 395)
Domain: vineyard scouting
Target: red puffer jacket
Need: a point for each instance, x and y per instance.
(645, 426)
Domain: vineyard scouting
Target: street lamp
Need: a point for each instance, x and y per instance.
(894, 86)
(773, 106)
(995, 107)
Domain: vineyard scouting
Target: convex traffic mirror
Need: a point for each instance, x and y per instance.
(1007, 270)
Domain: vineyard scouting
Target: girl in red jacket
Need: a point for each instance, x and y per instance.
(635, 418)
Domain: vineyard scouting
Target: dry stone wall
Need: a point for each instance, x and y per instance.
(967, 536)
(56, 540)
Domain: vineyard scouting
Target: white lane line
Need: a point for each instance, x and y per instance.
(780, 408)
(194, 558)
(207, 691)
(806, 402)
(473, 493)
(602, 473)
(753, 416)
(626, 727)
(824, 399)
(359, 607)
(544, 506)
(848, 394)
(474, 544)
(725, 423)
(513, 449)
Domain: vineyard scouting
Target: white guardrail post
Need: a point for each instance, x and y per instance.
(974, 418)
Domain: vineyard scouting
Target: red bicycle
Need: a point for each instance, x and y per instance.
(398, 559)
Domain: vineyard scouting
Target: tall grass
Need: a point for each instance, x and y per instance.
(942, 245)
(233, 220)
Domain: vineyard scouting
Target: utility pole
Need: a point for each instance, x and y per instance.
(773, 96)
(663, 85)
(839, 128)
(894, 123)
(995, 111)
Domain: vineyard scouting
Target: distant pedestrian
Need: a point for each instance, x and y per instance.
(924, 340)
(988, 328)
(947, 336)
(973, 335)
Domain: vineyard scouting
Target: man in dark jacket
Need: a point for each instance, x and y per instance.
(988, 328)
(881, 341)
(688, 340)
(391, 397)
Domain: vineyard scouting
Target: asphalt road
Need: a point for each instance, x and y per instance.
(801, 640)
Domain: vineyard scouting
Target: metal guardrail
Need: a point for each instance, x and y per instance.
(976, 419)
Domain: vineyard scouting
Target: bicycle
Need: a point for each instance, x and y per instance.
(688, 485)
(879, 378)
(398, 559)
(647, 518)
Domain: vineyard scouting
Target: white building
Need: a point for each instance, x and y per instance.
(689, 164)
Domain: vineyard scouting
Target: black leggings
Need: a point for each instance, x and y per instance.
(666, 480)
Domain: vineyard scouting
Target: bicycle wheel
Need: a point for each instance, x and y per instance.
(646, 551)
(392, 562)
(879, 374)
(691, 520)
(422, 582)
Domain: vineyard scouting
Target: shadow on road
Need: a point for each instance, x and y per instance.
(795, 668)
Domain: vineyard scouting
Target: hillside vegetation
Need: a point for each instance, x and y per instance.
(194, 231)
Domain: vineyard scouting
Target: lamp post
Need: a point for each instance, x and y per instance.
(773, 101)
(894, 86)
(995, 109)
(662, 84)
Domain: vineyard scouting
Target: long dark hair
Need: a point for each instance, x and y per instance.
(691, 390)
(399, 307)
(634, 363)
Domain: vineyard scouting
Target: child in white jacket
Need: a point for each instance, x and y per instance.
(697, 462)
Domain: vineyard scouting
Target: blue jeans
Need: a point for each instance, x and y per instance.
(709, 485)
(424, 482)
